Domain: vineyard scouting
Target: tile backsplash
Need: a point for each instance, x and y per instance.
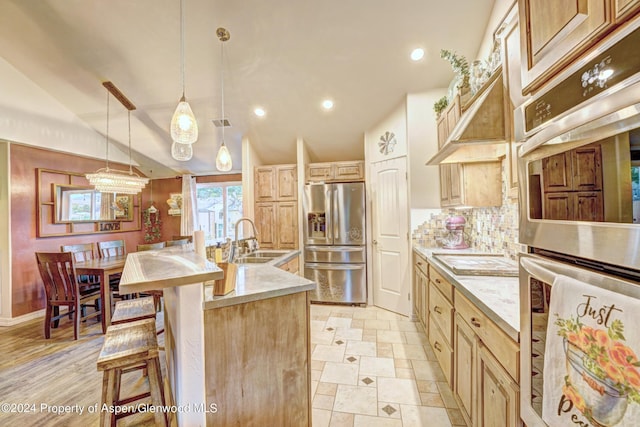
(491, 230)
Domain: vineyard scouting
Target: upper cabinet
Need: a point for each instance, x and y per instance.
(335, 171)
(556, 32)
(276, 183)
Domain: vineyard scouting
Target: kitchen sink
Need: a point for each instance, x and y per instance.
(252, 260)
(266, 254)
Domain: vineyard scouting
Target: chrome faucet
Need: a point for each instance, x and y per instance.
(249, 244)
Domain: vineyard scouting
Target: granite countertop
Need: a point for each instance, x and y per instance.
(260, 281)
(498, 297)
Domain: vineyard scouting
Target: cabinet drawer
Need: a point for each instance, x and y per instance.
(441, 312)
(441, 283)
(500, 344)
(442, 349)
(421, 264)
(352, 171)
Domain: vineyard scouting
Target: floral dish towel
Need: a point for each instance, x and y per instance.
(591, 367)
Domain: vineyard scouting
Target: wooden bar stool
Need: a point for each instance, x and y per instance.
(130, 345)
(133, 309)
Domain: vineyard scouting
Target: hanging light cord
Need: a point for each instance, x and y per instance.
(222, 86)
(107, 157)
(129, 117)
(182, 43)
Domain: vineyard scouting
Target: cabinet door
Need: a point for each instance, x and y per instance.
(348, 171)
(443, 130)
(287, 225)
(498, 394)
(319, 172)
(445, 184)
(453, 114)
(456, 196)
(464, 362)
(556, 171)
(287, 183)
(557, 32)
(586, 165)
(588, 206)
(623, 9)
(424, 301)
(265, 220)
(265, 184)
(558, 206)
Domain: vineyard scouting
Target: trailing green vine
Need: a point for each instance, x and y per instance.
(459, 65)
(152, 226)
(440, 105)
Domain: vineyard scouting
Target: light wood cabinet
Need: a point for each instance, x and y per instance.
(292, 266)
(335, 171)
(557, 32)
(623, 9)
(275, 183)
(572, 185)
(440, 324)
(477, 184)
(420, 290)
(498, 395)
(464, 366)
(276, 206)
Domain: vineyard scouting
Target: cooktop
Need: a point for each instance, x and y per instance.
(478, 264)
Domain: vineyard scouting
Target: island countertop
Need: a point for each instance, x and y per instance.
(259, 281)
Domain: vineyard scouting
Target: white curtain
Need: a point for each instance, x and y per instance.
(189, 218)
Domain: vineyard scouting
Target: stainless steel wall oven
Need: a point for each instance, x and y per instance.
(579, 179)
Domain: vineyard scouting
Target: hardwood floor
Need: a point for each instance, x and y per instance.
(39, 376)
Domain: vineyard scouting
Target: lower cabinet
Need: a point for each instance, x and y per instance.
(498, 394)
(420, 290)
(465, 368)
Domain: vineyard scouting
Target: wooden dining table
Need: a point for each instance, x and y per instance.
(103, 267)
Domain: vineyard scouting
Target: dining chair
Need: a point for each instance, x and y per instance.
(189, 238)
(113, 248)
(151, 246)
(157, 294)
(58, 273)
(82, 252)
(177, 242)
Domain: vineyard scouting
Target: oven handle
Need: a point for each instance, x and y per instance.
(547, 270)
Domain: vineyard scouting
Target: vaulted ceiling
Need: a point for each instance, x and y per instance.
(284, 56)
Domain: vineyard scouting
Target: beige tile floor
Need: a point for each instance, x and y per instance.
(371, 367)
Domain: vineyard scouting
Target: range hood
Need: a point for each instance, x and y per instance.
(479, 135)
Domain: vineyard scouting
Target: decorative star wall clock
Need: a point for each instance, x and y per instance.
(387, 143)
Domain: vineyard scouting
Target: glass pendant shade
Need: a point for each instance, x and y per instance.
(181, 152)
(184, 128)
(223, 159)
(114, 181)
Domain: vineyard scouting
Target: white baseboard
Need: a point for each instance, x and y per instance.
(11, 321)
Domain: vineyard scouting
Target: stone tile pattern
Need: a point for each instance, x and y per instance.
(491, 230)
(371, 367)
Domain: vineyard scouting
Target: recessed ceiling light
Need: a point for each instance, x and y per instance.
(259, 112)
(417, 54)
(327, 104)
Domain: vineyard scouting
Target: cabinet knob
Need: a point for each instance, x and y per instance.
(437, 309)
(475, 322)
(438, 281)
(375, 242)
(419, 263)
(437, 346)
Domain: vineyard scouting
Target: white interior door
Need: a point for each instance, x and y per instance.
(391, 279)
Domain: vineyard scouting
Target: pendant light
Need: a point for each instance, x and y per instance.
(223, 159)
(184, 128)
(107, 180)
(151, 209)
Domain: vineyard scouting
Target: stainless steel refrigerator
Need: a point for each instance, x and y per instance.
(334, 242)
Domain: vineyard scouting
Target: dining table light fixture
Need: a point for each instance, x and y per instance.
(223, 159)
(107, 180)
(184, 128)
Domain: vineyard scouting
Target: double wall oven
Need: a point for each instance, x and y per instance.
(579, 177)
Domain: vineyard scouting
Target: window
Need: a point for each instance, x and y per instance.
(219, 208)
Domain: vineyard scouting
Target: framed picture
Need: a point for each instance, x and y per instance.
(175, 203)
(123, 207)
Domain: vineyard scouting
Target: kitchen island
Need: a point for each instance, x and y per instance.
(239, 359)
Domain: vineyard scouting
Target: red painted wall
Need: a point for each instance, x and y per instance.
(26, 285)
